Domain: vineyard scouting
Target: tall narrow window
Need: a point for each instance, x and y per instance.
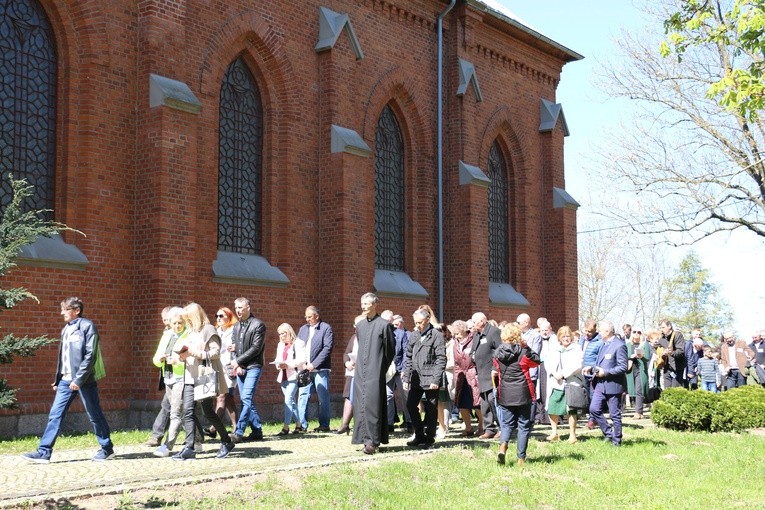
(499, 256)
(389, 193)
(240, 162)
(27, 102)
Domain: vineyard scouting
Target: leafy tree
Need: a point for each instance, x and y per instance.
(694, 167)
(19, 227)
(693, 300)
(739, 25)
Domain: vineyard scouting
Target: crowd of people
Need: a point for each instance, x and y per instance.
(509, 376)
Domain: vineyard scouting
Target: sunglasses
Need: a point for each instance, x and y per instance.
(220, 316)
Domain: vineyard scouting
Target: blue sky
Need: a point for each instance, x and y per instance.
(590, 28)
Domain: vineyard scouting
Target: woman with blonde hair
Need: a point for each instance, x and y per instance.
(173, 373)
(289, 360)
(515, 391)
(563, 364)
(201, 348)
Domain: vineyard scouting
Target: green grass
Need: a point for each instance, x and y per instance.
(655, 469)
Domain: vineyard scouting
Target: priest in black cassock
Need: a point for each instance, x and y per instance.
(375, 354)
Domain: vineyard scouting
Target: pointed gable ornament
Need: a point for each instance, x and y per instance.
(468, 77)
(331, 24)
(549, 113)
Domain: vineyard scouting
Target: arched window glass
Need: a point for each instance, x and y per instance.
(27, 102)
(499, 256)
(389, 193)
(240, 162)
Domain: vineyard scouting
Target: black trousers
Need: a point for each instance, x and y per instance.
(489, 412)
(190, 419)
(430, 403)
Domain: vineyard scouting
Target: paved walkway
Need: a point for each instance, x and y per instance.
(71, 474)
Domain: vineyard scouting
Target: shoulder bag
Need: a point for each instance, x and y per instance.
(206, 383)
(576, 393)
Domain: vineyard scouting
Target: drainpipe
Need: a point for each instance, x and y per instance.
(439, 158)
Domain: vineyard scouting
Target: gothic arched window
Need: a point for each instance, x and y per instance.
(27, 102)
(240, 162)
(499, 255)
(389, 193)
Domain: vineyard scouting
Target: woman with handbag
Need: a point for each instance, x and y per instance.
(203, 379)
(290, 358)
(564, 374)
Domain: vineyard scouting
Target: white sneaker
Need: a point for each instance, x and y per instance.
(162, 451)
(440, 434)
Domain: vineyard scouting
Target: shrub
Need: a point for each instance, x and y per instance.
(735, 410)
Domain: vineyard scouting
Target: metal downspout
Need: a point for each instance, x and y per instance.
(439, 158)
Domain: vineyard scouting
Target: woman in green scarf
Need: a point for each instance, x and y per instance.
(638, 354)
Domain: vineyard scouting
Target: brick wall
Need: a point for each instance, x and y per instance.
(141, 182)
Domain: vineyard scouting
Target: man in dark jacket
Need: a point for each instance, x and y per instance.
(248, 341)
(485, 340)
(76, 374)
(319, 340)
(425, 364)
(674, 353)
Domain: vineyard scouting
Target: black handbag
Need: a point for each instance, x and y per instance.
(303, 378)
(576, 394)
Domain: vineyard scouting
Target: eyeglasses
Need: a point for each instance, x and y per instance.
(220, 316)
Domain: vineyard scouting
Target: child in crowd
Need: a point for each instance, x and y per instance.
(709, 370)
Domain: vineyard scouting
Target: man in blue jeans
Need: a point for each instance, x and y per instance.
(248, 341)
(79, 366)
(319, 339)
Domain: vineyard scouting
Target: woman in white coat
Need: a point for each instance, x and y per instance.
(562, 364)
(289, 360)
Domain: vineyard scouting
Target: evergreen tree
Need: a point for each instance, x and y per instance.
(693, 300)
(19, 227)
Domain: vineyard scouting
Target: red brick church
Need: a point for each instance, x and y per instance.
(292, 152)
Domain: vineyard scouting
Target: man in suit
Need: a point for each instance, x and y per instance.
(248, 341)
(609, 382)
(485, 340)
(319, 339)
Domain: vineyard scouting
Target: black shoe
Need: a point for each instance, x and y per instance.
(417, 441)
(369, 449)
(391, 428)
(235, 438)
(283, 432)
(185, 454)
(408, 427)
(343, 430)
(322, 429)
(209, 432)
(298, 430)
(255, 435)
(225, 449)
